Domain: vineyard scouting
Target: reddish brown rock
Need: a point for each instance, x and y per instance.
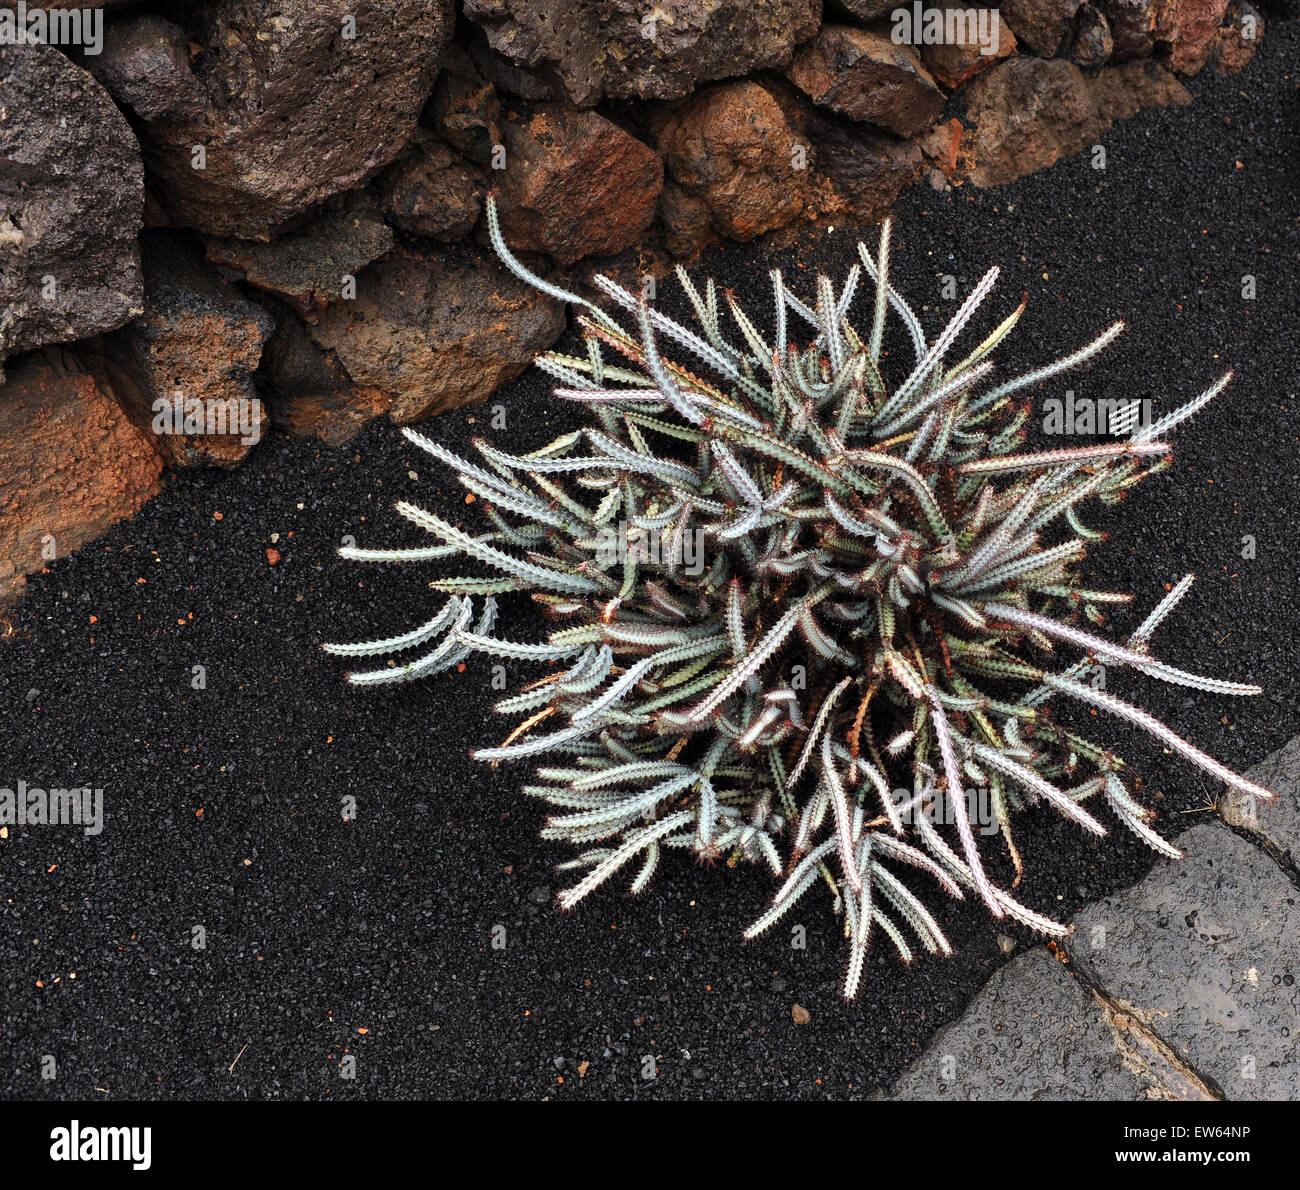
(941, 146)
(303, 99)
(952, 63)
(71, 195)
(184, 368)
(431, 332)
(1120, 92)
(1198, 23)
(731, 148)
(1039, 25)
(1030, 112)
(865, 76)
(1166, 24)
(309, 266)
(1235, 44)
(432, 193)
(74, 465)
(662, 50)
(575, 184)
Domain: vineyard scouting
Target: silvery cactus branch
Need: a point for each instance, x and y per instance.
(799, 617)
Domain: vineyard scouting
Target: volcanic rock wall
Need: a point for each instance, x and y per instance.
(220, 217)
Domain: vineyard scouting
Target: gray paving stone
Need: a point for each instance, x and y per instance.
(1203, 953)
(1033, 1032)
(1278, 822)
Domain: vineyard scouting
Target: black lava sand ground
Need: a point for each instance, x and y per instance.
(372, 938)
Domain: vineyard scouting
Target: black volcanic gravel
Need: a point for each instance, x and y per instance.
(373, 938)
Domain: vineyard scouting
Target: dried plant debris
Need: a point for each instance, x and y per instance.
(798, 607)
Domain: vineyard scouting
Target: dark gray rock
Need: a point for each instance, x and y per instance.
(431, 331)
(868, 168)
(310, 393)
(1039, 25)
(145, 64)
(295, 110)
(71, 197)
(465, 110)
(1186, 980)
(1204, 952)
(629, 50)
(506, 77)
(307, 266)
(1032, 1033)
(1136, 25)
(1276, 823)
(1090, 41)
(432, 193)
(862, 10)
